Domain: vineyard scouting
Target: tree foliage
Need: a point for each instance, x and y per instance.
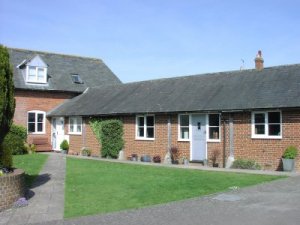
(7, 102)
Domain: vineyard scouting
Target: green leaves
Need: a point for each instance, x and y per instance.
(290, 153)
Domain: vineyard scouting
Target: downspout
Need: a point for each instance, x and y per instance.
(224, 141)
(167, 159)
(231, 143)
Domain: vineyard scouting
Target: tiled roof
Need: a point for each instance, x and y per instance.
(92, 71)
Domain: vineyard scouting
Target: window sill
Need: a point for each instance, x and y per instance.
(214, 140)
(184, 140)
(36, 133)
(144, 139)
(267, 137)
(74, 133)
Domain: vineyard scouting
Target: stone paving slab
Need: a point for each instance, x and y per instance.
(47, 201)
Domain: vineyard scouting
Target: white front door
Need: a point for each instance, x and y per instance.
(58, 132)
(198, 140)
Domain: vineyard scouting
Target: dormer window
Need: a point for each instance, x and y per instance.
(36, 74)
(76, 79)
(36, 70)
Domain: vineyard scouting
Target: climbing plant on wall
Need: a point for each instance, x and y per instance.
(110, 135)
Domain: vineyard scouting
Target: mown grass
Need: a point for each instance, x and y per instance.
(95, 187)
(31, 164)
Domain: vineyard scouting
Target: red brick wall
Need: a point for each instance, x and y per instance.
(87, 139)
(267, 152)
(37, 100)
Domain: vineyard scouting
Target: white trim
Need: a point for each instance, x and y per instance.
(44, 81)
(144, 138)
(75, 125)
(36, 112)
(207, 128)
(179, 130)
(266, 124)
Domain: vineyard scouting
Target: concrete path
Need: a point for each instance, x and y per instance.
(46, 197)
(274, 203)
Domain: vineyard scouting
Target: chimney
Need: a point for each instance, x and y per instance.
(259, 61)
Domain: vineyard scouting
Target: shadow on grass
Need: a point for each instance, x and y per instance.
(33, 181)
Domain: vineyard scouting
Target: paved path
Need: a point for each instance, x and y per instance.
(46, 201)
(274, 203)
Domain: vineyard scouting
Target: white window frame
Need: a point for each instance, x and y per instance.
(266, 123)
(145, 127)
(179, 127)
(75, 125)
(44, 81)
(36, 112)
(207, 128)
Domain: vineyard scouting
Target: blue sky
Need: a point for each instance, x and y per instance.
(149, 39)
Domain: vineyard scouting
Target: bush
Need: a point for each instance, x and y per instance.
(64, 145)
(290, 153)
(157, 159)
(86, 151)
(6, 159)
(15, 140)
(30, 148)
(245, 164)
(111, 138)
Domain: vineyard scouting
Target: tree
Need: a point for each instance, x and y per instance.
(7, 103)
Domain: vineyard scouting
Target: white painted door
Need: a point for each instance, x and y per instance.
(198, 140)
(58, 132)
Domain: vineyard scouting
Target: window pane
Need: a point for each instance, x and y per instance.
(141, 132)
(40, 127)
(214, 120)
(150, 132)
(274, 130)
(274, 117)
(184, 133)
(40, 117)
(150, 121)
(31, 127)
(31, 117)
(71, 128)
(71, 121)
(41, 74)
(79, 128)
(184, 120)
(259, 129)
(141, 121)
(259, 118)
(31, 73)
(214, 133)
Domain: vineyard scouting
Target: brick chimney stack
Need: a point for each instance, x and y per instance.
(259, 61)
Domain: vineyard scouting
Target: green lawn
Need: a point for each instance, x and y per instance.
(94, 187)
(31, 164)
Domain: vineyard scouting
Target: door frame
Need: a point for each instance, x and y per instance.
(52, 132)
(205, 135)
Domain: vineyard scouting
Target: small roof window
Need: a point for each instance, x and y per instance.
(76, 79)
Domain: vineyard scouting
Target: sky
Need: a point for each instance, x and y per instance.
(151, 39)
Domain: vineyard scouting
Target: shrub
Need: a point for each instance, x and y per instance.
(290, 153)
(15, 140)
(156, 159)
(7, 103)
(174, 154)
(245, 164)
(6, 159)
(111, 138)
(86, 151)
(30, 148)
(64, 145)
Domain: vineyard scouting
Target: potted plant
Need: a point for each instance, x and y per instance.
(157, 159)
(85, 151)
(174, 155)
(134, 157)
(288, 158)
(214, 157)
(64, 146)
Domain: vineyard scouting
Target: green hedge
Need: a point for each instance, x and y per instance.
(110, 135)
(15, 140)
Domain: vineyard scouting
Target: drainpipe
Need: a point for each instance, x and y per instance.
(224, 141)
(231, 143)
(167, 159)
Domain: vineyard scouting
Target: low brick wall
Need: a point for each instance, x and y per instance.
(12, 187)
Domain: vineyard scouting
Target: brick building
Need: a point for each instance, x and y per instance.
(45, 80)
(250, 114)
